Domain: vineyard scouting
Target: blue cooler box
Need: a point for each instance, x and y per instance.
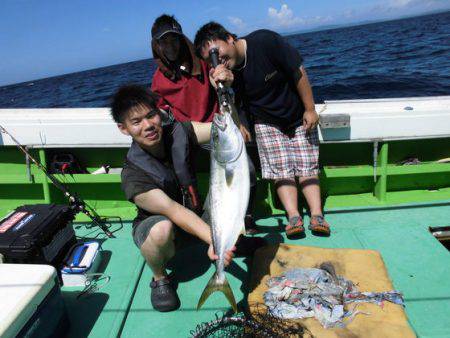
(31, 302)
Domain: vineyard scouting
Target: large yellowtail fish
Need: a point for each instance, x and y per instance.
(227, 200)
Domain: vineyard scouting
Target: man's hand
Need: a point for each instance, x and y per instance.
(310, 119)
(221, 74)
(228, 255)
(245, 133)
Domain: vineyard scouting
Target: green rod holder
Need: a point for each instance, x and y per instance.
(380, 189)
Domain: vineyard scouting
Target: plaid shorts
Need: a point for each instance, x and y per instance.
(286, 156)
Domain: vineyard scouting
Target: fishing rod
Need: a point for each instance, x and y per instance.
(77, 203)
(223, 93)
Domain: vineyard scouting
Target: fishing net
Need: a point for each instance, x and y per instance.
(258, 323)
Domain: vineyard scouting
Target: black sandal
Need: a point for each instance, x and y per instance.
(163, 296)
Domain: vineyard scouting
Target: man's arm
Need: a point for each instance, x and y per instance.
(202, 131)
(310, 117)
(157, 202)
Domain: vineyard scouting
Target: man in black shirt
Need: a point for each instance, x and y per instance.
(272, 87)
(150, 180)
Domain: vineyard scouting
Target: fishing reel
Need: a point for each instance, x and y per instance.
(80, 206)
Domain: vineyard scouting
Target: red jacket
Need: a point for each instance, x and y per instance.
(192, 98)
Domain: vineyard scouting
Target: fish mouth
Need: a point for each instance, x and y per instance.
(229, 154)
(220, 122)
(226, 148)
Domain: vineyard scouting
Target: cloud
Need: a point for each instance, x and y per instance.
(390, 9)
(285, 19)
(408, 6)
(212, 10)
(400, 3)
(419, 3)
(238, 23)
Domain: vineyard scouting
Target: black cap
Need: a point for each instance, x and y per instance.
(173, 27)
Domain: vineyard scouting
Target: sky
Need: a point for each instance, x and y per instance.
(43, 38)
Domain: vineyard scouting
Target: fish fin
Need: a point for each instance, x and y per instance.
(229, 174)
(213, 286)
(243, 231)
(206, 215)
(206, 205)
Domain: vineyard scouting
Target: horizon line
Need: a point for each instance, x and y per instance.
(285, 34)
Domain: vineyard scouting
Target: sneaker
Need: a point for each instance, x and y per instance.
(163, 296)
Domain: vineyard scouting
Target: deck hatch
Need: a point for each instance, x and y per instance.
(333, 121)
(442, 234)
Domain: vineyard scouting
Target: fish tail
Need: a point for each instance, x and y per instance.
(214, 285)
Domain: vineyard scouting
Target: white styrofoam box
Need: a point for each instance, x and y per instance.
(22, 288)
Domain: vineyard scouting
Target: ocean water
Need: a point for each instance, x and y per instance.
(408, 57)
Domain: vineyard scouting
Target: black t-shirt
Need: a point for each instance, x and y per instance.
(267, 85)
(162, 174)
(136, 181)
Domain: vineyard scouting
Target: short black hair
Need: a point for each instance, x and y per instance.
(128, 97)
(209, 32)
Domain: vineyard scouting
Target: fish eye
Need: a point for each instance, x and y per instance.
(214, 133)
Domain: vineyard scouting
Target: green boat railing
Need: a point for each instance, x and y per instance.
(350, 176)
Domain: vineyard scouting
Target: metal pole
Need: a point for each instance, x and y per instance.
(27, 163)
(45, 184)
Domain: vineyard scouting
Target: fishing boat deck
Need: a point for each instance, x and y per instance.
(364, 164)
(417, 263)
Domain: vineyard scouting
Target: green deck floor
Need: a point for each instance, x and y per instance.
(417, 263)
(101, 314)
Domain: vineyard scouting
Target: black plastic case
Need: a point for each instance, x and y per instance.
(40, 233)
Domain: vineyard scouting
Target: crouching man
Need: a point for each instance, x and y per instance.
(158, 155)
